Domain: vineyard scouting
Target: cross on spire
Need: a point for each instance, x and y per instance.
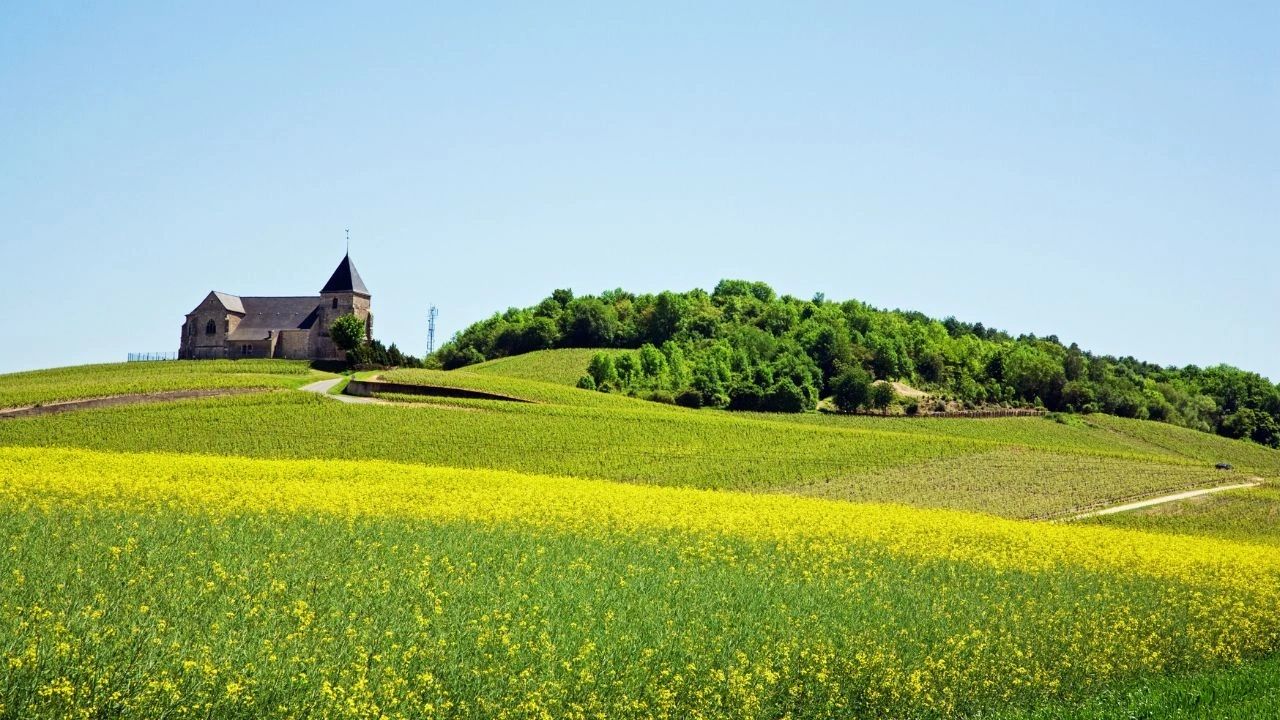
(348, 241)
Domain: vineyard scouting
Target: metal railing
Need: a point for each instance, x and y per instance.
(152, 356)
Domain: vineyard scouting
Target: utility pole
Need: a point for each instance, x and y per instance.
(431, 329)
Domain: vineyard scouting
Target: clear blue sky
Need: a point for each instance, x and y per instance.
(1111, 175)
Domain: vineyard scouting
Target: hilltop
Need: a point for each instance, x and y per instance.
(743, 347)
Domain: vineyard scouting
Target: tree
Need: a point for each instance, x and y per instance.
(1033, 372)
(653, 364)
(665, 318)
(882, 395)
(852, 389)
(678, 377)
(589, 322)
(347, 332)
(602, 371)
(628, 368)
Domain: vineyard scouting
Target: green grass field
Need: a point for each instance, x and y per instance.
(592, 555)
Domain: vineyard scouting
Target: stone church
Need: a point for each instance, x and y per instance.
(230, 326)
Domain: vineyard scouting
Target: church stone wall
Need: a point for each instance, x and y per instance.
(293, 344)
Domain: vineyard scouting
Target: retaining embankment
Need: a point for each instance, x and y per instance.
(368, 388)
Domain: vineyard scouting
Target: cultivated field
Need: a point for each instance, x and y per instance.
(252, 585)
(591, 555)
(89, 381)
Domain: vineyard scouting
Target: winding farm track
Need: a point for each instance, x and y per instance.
(324, 386)
(1165, 499)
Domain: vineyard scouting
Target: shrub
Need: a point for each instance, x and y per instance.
(785, 396)
(745, 395)
(689, 398)
(882, 395)
(662, 396)
(586, 382)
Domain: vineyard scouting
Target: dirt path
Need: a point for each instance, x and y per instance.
(114, 400)
(1165, 499)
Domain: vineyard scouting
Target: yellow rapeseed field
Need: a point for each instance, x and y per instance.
(151, 584)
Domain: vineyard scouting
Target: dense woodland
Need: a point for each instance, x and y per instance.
(744, 347)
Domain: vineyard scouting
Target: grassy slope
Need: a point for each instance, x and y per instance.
(87, 381)
(562, 367)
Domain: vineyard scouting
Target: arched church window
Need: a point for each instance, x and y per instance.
(335, 303)
(210, 328)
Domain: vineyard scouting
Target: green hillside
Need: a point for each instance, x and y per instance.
(592, 554)
(562, 367)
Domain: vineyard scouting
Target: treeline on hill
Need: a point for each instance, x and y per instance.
(744, 347)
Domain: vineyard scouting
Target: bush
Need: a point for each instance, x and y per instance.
(913, 408)
(785, 396)
(689, 398)
(745, 396)
(662, 396)
(882, 395)
(586, 382)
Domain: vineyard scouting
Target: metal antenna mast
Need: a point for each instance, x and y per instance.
(431, 329)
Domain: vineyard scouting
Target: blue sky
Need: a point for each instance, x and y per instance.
(1111, 175)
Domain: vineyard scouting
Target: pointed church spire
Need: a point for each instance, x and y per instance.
(345, 279)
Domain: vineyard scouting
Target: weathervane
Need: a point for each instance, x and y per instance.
(348, 241)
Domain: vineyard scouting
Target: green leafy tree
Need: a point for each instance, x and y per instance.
(882, 395)
(347, 332)
(628, 369)
(653, 364)
(603, 371)
(852, 389)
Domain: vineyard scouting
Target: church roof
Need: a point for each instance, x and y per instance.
(345, 279)
(275, 313)
(229, 301)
